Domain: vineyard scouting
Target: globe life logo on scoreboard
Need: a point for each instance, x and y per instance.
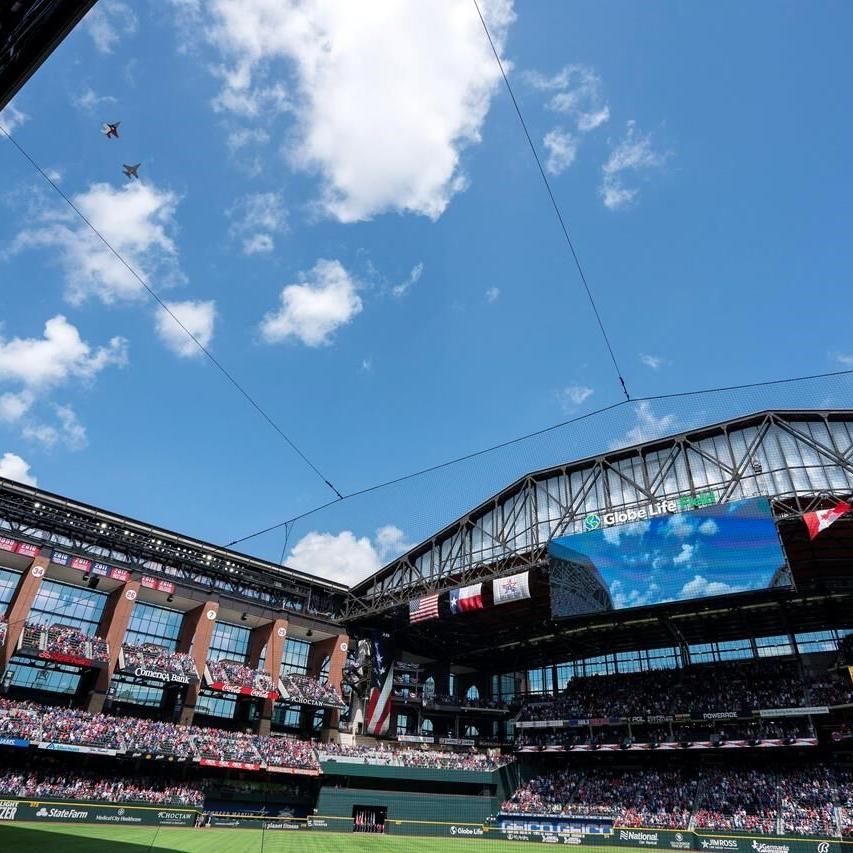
(662, 507)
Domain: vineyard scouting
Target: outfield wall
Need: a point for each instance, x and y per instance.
(58, 811)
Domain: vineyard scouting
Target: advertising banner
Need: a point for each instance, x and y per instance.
(76, 747)
(654, 558)
(234, 765)
(120, 815)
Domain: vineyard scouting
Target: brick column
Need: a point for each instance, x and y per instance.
(335, 648)
(271, 636)
(196, 633)
(112, 628)
(20, 605)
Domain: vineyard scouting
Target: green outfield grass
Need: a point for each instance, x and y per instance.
(39, 838)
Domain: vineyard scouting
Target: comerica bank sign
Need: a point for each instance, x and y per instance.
(663, 507)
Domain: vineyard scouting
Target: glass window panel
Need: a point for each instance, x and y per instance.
(8, 584)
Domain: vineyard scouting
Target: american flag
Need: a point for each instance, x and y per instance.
(423, 608)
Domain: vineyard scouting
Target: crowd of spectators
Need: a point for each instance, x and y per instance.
(304, 690)
(2, 631)
(91, 787)
(714, 732)
(408, 757)
(832, 691)
(735, 686)
(746, 800)
(36, 723)
(236, 674)
(632, 797)
(64, 640)
(798, 800)
(150, 656)
(65, 725)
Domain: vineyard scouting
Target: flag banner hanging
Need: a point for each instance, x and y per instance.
(513, 588)
(817, 522)
(377, 715)
(423, 608)
(466, 598)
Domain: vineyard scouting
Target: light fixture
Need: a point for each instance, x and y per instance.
(244, 617)
(309, 633)
(170, 598)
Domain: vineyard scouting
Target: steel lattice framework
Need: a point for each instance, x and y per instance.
(799, 459)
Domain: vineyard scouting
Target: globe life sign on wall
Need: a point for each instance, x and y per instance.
(662, 507)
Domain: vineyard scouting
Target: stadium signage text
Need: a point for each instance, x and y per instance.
(663, 507)
(174, 678)
(8, 809)
(644, 838)
(466, 830)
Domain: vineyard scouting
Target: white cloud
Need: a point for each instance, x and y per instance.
(38, 365)
(89, 100)
(241, 137)
(647, 427)
(135, 220)
(845, 359)
(311, 311)
(13, 406)
(562, 149)
(61, 354)
(634, 154)
(709, 527)
(577, 91)
(678, 525)
(685, 555)
(367, 364)
(574, 395)
(197, 316)
(375, 114)
(69, 431)
(614, 194)
(54, 175)
(11, 118)
(344, 557)
(614, 534)
(700, 587)
(391, 542)
(655, 362)
(413, 278)
(108, 21)
(12, 467)
(634, 597)
(256, 218)
(492, 295)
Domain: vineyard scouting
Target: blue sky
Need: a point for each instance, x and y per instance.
(341, 204)
(716, 550)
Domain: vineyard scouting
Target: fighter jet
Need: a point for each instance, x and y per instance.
(110, 130)
(131, 171)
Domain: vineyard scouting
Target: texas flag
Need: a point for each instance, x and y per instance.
(819, 521)
(466, 598)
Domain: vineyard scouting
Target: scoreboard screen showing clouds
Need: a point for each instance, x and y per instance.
(721, 549)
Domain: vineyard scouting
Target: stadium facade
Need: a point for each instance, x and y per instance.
(455, 647)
